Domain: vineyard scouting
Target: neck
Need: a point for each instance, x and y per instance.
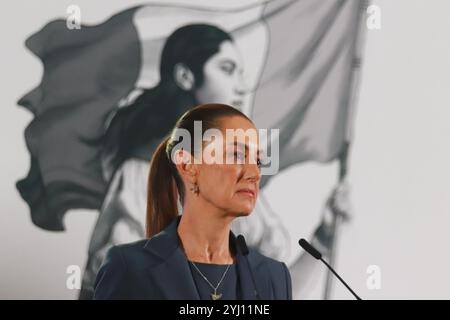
(205, 234)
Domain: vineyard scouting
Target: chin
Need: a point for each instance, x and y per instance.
(244, 213)
(241, 208)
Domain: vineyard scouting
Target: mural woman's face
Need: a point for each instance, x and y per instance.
(232, 186)
(223, 78)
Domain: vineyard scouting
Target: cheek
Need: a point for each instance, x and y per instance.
(219, 86)
(220, 181)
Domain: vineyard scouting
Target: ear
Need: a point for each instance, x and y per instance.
(185, 165)
(183, 76)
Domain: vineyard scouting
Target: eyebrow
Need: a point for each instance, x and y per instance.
(259, 151)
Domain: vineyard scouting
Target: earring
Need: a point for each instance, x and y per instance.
(195, 189)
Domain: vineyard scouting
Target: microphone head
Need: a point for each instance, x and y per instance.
(310, 249)
(242, 245)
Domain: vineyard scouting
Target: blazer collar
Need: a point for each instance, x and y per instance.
(174, 267)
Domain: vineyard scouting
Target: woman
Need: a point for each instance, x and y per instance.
(200, 63)
(195, 255)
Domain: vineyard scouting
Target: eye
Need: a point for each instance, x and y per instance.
(228, 68)
(258, 162)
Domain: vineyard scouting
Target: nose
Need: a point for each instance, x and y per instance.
(252, 173)
(242, 87)
(31, 100)
(240, 91)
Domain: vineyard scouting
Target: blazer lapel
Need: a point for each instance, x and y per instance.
(259, 271)
(172, 276)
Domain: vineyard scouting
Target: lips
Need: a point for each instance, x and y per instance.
(237, 103)
(247, 191)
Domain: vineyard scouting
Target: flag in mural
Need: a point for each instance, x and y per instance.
(110, 92)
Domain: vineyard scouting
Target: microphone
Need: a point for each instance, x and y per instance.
(316, 254)
(242, 245)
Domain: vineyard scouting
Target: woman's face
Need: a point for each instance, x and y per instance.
(223, 78)
(230, 186)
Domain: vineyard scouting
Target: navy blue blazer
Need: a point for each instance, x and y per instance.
(157, 268)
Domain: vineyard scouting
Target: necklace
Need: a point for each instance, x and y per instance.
(214, 295)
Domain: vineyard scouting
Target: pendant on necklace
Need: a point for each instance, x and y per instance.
(215, 296)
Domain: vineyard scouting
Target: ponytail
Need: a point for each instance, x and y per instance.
(162, 192)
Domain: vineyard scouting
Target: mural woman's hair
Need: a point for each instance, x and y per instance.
(191, 45)
(155, 111)
(164, 182)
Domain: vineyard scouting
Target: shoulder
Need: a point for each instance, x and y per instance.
(129, 254)
(120, 257)
(125, 258)
(130, 247)
(117, 275)
(275, 267)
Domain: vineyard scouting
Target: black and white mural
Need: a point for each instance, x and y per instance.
(112, 91)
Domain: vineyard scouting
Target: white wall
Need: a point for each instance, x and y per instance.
(401, 156)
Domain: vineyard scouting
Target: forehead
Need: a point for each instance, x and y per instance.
(240, 128)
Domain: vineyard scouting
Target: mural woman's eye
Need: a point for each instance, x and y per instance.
(228, 67)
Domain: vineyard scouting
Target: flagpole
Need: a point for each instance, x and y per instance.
(336, 221)
(343, 157)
